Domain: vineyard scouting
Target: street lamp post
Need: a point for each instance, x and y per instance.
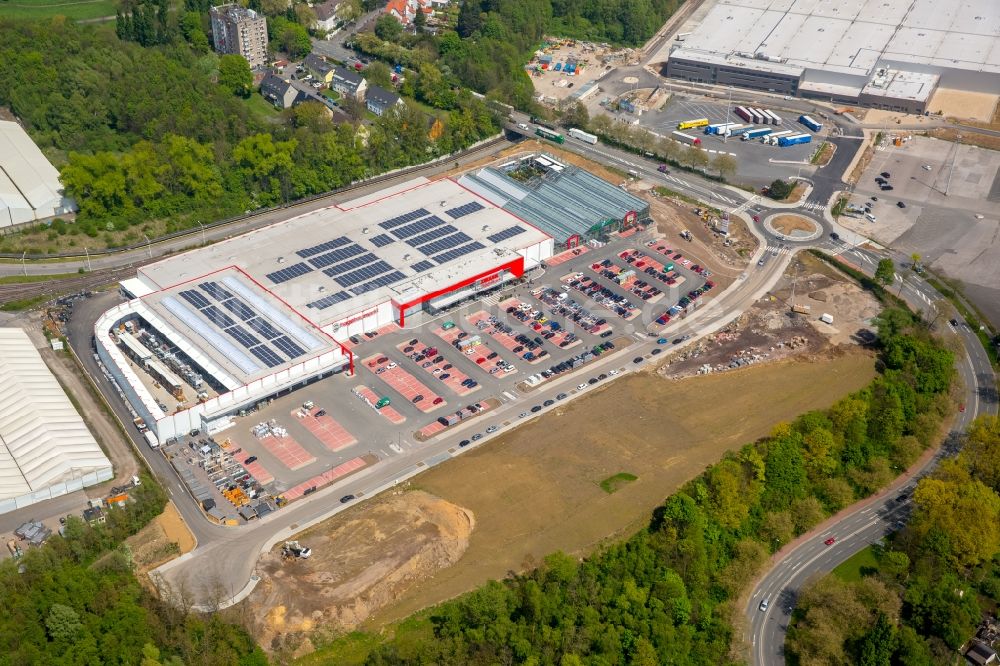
(87, 252)
(729, 105)
(24, 268)
(149, 246)
(202, 227)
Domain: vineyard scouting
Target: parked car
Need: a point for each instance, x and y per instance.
(346, 498)
(249, 460)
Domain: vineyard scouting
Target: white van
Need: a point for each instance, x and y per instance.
(869, 217)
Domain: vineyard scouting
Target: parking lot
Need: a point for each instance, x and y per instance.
(757, 164)
(413, 385)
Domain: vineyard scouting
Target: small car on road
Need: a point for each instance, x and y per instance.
(831, 541)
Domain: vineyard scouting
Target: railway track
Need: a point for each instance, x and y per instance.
(58, 287)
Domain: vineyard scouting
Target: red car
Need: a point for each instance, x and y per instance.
(961, 408)
(831, 541)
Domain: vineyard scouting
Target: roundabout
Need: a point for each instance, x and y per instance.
(792, 227)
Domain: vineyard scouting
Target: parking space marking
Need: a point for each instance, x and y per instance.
(566, 255)
(324, 479)
(259, 472)
(289, 452)
(454, 378)
(372, 398)
(477, 351)
(404, 383)
(481, 320)
(325, 428)
(590, 287)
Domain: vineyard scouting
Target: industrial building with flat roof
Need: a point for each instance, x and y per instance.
(46, 449)
(890, 54)
(29, 185)
(257, 314)
(569, 203)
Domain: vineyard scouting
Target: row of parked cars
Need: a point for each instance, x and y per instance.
(601, 294)
(563, 306)
(545, 327)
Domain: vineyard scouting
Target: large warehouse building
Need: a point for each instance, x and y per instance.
(889, 54)
(218, 329)
(29, 185)
(46, 449)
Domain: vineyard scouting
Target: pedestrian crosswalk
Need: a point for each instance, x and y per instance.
(816, 206)
(778, 251)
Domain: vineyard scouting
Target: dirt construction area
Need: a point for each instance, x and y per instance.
(166, 537)
(502, 508)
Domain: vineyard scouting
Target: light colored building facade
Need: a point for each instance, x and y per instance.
(240, 31)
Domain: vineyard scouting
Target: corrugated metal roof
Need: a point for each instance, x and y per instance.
(43, 440)
(27, 179)
(562, 202)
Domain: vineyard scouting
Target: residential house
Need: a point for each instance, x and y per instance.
(379, 100)
(280, 92)
(320, 69)
(94, 515)
(405, 11)
(980, 654)
(349, 83)
(326, 15)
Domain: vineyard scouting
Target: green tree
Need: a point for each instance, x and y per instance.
(62, 623)
(193, 31)
(879, 643)
(378, 74)
(885, 272)
(780, 189)
(235, 75)
(725, 165)
(388, 29)
(576, 115)
(420, 22)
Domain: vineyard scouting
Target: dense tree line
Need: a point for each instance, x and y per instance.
(161, 132)
(664, 595)
(76, 600)
(931, 582)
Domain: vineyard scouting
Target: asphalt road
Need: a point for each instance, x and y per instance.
(869, 520)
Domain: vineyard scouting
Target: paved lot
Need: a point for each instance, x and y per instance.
(757, 164)
(952, 214)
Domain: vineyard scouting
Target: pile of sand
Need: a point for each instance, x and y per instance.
(359, 563)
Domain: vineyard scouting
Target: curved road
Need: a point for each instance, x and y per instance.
(870, 520)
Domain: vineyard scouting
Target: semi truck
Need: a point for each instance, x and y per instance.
(586, 137)
(773, 117)
(735, 129)
(794, 140)
(555, 137)
(810, 123)
(151, 439)
(756, 133)
(772, 139)
(759, 116)
(718, 128)
(686, 138)
(691, 124)
(745, 113)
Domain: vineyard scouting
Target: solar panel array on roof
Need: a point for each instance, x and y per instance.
(242, 336)
(425, 224)
(506, 233)
(217, 316)
(337, 255)
(445, 257)
(289, 347)
(263, 327)
(382, 240)
(194, 298)
(329, 301)
(269, 358)
(422, 266)
(236, 306)
(213, 288)
(437, 232)
(357, 276)
(404, 218)
(445, 243)
(226, 348)
(345, 266)
(291, 272)
(323, 247)
(394, 276)
(465, 209)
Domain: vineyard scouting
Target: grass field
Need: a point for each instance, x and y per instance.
(74, 9)
(852, 569)
(617, 482)
(538, 488)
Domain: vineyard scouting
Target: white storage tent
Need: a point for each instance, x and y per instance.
(29, 185)
(46, 449)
